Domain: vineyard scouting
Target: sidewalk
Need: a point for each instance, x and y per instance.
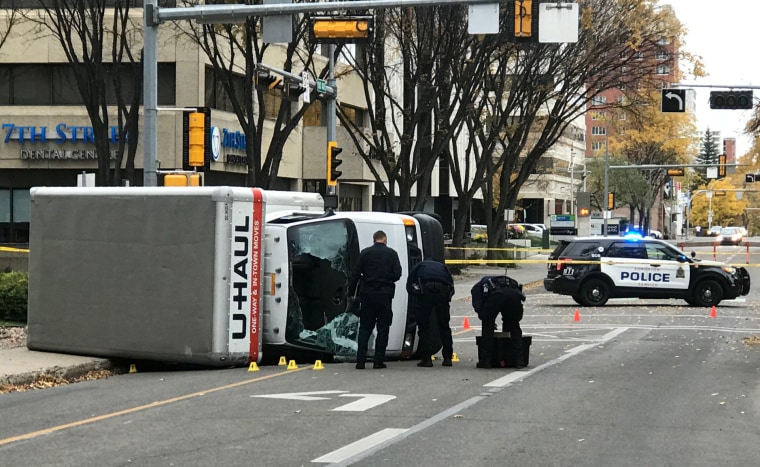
(20, 365)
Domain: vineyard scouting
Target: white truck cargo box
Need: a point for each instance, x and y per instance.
(171, 274)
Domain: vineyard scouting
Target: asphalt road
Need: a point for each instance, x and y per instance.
(633, 383)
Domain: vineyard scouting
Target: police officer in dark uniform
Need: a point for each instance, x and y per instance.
(433, 285)
(493, 295)
(377, 270)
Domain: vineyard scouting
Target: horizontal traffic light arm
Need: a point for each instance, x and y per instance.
(670, 166)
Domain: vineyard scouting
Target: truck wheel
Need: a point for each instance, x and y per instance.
(595, 292)
(707, 293)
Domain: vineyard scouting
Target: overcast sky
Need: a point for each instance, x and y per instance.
(725, 35)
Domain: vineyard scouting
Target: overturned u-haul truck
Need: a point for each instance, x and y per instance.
(216, 276)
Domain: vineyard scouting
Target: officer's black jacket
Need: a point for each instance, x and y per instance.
(429, 270)
(479, 296)
(378, 268)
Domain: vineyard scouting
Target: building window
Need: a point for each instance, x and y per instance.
(663, 70)
(599, 130)
(598, 115)
(559, 206)
(639, 55)
(15, 207)
(597, 145)
(355, 114)
(598, 100)
(314, 115)
(661, 55)
(54, 84)
(622, 116)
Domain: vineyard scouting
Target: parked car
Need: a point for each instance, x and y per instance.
(655, 234)
(516, 231)
(714, 231)
(478, 233)
(729, 235)
(533, 229)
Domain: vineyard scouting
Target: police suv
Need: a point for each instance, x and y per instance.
(594, 269)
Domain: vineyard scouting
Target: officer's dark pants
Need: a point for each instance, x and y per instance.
(511, 313)
(375, 311)
(434, 304)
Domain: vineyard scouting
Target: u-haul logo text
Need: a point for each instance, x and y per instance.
(241, 280)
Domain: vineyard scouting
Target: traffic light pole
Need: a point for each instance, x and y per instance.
(331, 114)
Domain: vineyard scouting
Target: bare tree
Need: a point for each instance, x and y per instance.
(9, 20)
(234, 50)
(80, 28)
(404, 72)
(551, 85)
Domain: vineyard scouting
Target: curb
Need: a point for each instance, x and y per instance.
(65, 373)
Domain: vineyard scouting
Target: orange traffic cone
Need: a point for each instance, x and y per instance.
(577, 316)
(713, 312)
(466, 323)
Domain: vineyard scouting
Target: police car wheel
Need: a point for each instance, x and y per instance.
(691, 302)
(708, 293)
(595, 292)
(577, 299)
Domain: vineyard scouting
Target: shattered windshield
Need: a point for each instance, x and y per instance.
(321, 256)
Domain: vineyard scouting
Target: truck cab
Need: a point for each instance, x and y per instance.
(307, 304)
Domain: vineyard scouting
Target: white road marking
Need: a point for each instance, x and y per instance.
(366, 402)
(301, 396)
(514, 376)
(364, 444)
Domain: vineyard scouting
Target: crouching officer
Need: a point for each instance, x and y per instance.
(493, 295)
(431, 282)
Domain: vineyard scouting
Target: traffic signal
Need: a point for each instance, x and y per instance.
(722, 166)
(292, 91)
(523, 18)
(610, 200)
(341, 29)
(524, 27)
(675, 172)
(731, 99)
(583, 202)
(333, 162)
(196, 139)
(265, 80)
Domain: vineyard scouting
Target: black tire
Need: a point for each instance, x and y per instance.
(577, 299)
(691, 302)
(594, 292)
(707, 293)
